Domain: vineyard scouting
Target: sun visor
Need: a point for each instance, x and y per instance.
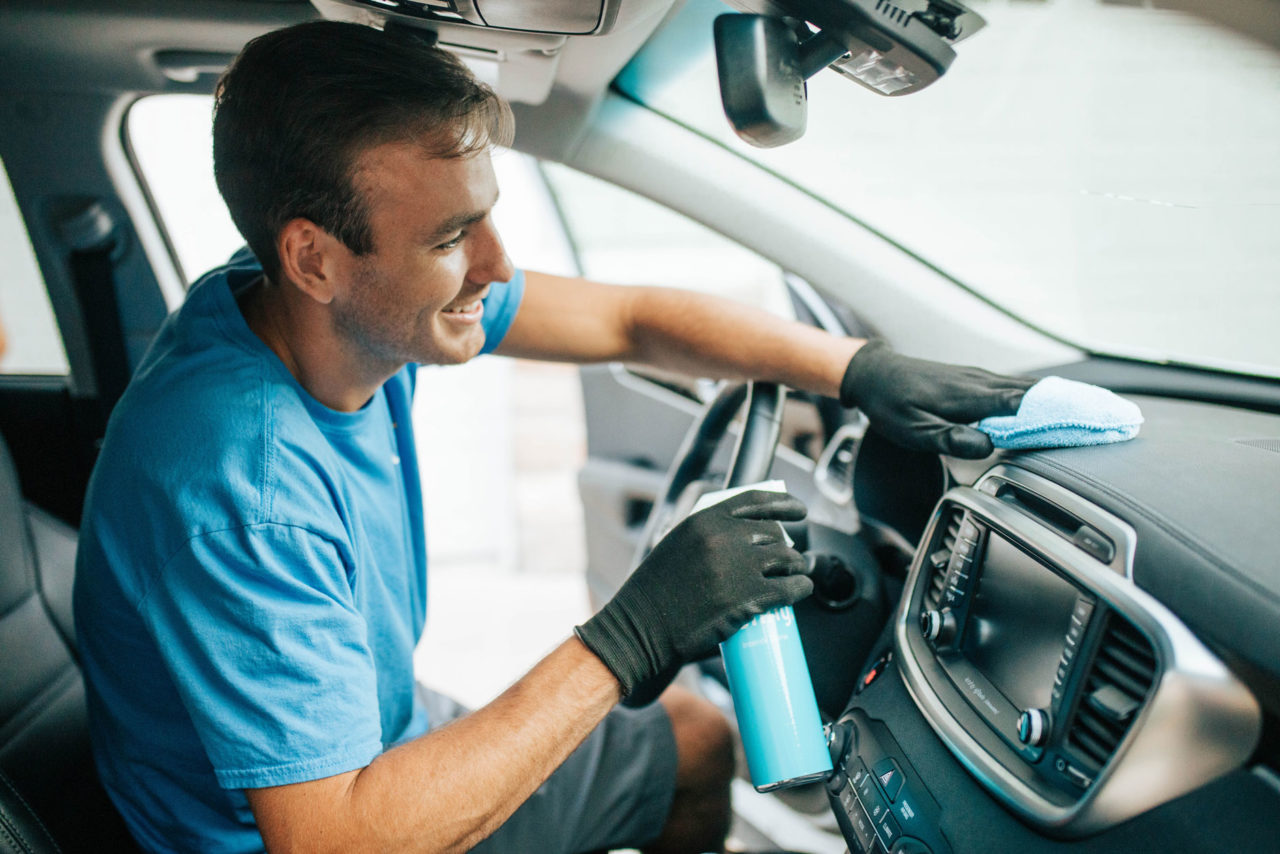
(513, 46)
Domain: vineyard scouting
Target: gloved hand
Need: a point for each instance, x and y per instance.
(715, 571)
(926, 405)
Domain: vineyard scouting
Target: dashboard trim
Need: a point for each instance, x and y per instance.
(1198, 722)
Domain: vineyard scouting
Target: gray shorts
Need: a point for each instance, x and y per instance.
(614, 791)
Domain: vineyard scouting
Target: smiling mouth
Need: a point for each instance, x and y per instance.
(466, 312)
(469, 308)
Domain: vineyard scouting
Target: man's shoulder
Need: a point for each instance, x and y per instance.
(209, 430)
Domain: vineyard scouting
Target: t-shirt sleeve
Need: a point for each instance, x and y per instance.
(500, 308)
(259, 628)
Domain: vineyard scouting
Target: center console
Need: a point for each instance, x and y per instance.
(1073, 697)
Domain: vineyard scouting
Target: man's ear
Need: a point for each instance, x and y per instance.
(309, 258)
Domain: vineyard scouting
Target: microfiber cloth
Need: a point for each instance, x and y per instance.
(1061, 413)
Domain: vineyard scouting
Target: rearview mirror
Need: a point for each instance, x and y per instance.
(890, 49)
(761, 84)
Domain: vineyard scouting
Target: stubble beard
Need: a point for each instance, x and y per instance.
(372, 326)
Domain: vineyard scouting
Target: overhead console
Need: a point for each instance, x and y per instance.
(565, 17)
(511, 45)
(1074, 697)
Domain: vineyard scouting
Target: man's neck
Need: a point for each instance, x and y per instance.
(310, 349)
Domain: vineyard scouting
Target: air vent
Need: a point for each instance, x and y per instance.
(940, 556)
(834, 472)
(1120, 677)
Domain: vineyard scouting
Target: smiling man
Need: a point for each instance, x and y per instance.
(252, 574)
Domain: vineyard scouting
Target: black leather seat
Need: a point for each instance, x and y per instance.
(50, 797)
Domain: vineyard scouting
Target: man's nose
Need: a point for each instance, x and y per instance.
(488, 258)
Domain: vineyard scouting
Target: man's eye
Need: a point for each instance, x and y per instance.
(452, 242)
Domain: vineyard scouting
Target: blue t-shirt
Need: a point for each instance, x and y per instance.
(251, 580)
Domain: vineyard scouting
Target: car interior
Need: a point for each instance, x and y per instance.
(1070, 649)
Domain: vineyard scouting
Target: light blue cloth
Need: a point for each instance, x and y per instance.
(251, 580)
(1062, 413)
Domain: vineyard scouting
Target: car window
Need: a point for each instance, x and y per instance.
(1104, 170)
(624, 238)
(172, 141)
(32, 343)
(621, 237)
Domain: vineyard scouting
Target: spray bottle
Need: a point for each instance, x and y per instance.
(772, 691)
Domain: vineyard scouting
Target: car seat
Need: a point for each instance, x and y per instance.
(50, 797)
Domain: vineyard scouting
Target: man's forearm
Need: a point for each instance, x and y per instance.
(706, 336)
(574, 320)
(450, 788)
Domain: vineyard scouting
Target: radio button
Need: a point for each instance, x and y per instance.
(938, 626)
(968, 530)
(888, 830)
(877, 807)
(1033, 727)
(862, 828)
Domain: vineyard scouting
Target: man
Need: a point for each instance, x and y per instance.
(251, 580)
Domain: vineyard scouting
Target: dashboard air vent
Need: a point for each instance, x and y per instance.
(1119, 680)
(940, 556)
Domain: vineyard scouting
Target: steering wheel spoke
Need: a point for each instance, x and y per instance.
(687, 480)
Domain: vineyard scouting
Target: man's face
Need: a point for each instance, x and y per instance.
(416, 297)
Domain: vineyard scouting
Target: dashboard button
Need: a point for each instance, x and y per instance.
(1033, 727)
(862, 828)
(888, 829)
(872, 801)
(877, 808)
(889, 776)
(968, 530)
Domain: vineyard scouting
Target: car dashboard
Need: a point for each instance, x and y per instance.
(1084, 652)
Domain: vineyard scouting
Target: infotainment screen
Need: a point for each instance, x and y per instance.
(1017, 622)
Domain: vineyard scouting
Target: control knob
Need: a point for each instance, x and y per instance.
(1033, 727)
(938, 626)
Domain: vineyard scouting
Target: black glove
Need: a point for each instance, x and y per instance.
(926, 405)
(715, 571)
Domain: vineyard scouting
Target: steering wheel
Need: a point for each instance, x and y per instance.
(752, 458)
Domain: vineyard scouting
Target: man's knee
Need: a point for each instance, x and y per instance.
(704, 740)
(699, 817)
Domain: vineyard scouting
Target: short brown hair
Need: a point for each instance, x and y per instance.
(299, 105)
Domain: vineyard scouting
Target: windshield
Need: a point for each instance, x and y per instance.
(1107, 171)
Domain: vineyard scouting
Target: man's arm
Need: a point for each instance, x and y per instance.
(574, 320)
(916, 403)
(452, 787)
